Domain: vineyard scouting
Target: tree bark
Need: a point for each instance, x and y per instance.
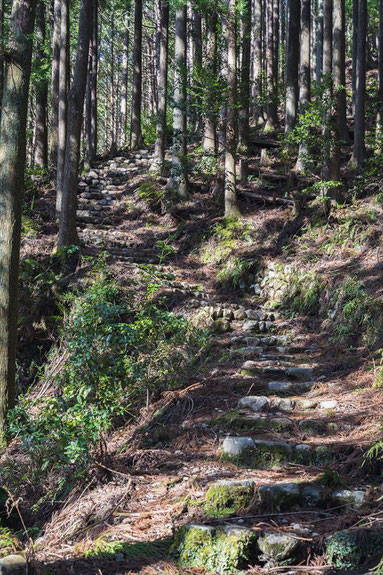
(379, 121)
(244, 112)
(178, 182)
(257, 64)
(63, 95)
(359, 151)
(304, 73)
(271, 79)
(91, 92)
(124, 77)
(339, 68)
(231, 204)
(67, 229)
(55, 81)
(355, 6)
(159, 150)
(210, 128)
(319, 48)
(136, 133)
(12, 165)
(41, 133)
(292, 64)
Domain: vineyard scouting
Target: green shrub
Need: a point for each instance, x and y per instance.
(111, 354)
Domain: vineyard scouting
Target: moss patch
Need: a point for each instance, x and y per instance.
(228, 498)
(107, 549)
(222, 551)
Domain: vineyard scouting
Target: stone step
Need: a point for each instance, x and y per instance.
(225, 498)
(252, 368)
(215, 547)
(238, 339)
(261, 403)
(264, 454)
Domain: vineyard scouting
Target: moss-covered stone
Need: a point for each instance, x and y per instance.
(277, 547)
(219, 550)
(279, 496)
(107, 549)
(351, 549)
(257, 453)
(226, 498)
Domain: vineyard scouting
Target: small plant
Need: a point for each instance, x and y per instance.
(166, 249)
(233, 271)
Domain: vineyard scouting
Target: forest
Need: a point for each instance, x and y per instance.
(191, 287)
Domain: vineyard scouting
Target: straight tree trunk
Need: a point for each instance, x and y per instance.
(244, 112)
(67, 228)
(355, 11)
(339, 68)
(136, 133)
(12, 165)
(304, 73)
(159, 150)
(271, 120)
(197, 117)
(178, 182)
(379, 121)
(55, 81)
(2, 8)
(41, 133)
(359, 151)
(63, 96)
(91, 91)
(292, 64)
(231, 204)
(124, 77)
(257, 63)
(210, 128)
(319, 46)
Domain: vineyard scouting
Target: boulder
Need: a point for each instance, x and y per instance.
(277, 547)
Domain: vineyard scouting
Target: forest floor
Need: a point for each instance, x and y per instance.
(319, 406)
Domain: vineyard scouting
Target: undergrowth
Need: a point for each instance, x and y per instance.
(113, 351)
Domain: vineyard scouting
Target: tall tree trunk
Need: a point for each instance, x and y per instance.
(67, 229)
(257, 63)
(63, 97)
(304, 73)
(2, 8)
(178, 182)
(339, 68)
(319, 46)
(355, 10)
(12, 165)
(244, 112)
(159, 150)
(55, 81)
(136, 133)
(210, 129)
(91, 90)
(124, 76)
(292, 64)
(359, 151)
(379, 121)
(271, 79)
(231, 204)
(41, 133)
(197, 66)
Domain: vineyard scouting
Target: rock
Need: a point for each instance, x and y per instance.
(239, 314)
(283, 404)
(306, 404)
(302, 373)
(355, 498)
(215, 550)
(221, 326)
(250, 368)
(303, 453)
(281, 423)
(312, 495)
(280, 495)
(280, 386)
(236, 446)
(254, 402)
(250, 325)
(329, 404)
(225, 498)
(93, 175)
(277, 546)
(312, 426)
(228, 314)
(13, 564)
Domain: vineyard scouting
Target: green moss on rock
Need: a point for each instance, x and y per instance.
(228, 497)
(107, 549)
(220, 550)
